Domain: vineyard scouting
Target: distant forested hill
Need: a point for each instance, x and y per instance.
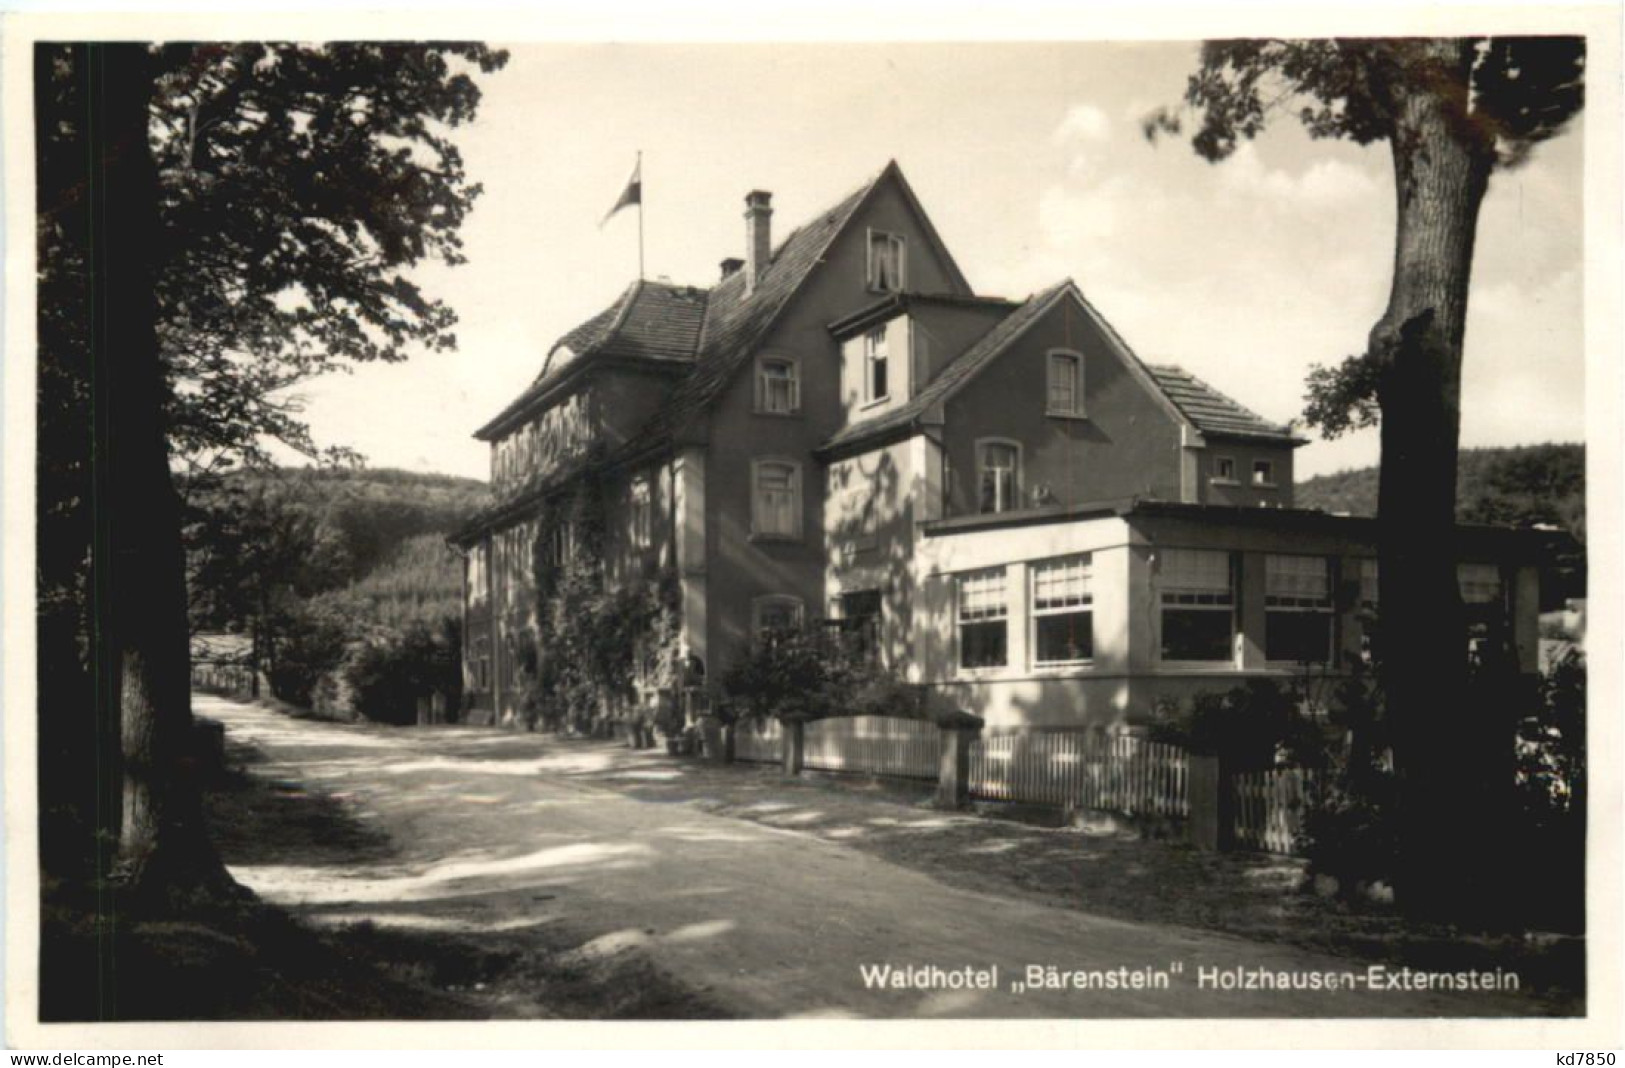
(1511, 486)
(373, 511)
(310, 532)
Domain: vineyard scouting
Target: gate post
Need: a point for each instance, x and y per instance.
(793, 746)
(959, 729)
(1213, 815)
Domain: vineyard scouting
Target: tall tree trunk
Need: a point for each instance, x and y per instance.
(1441, 171)
(164, 855)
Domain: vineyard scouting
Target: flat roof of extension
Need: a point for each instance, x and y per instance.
(1519, 541)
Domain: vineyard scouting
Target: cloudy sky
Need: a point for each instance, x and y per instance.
(1029, 159)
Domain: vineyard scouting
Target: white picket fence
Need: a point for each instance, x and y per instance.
(758, 740)
(874, 745)
(1086, 770)
(1270, 807)
(222, 678)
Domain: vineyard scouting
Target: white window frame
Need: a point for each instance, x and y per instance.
(1282, 602)
(1219, 477)
(1083, 606)
(894, 241)
(1015, 479)
(478, 587)
(993, 613)
(1268, 481)
(640, 509)
(757, 505)
(762, 392)
(1169, 597)
(798, 611)
(876, 349)
(1073, 360)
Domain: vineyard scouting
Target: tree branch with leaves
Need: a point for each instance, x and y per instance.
(1453, 111)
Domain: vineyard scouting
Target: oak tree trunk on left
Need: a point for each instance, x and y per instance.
(164, 856)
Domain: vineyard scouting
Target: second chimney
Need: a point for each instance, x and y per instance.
(758, 236)
(731, 265)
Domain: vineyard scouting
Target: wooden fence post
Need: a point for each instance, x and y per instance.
(1212, 802)
(718, 740)
(959, 730)
(794, 746)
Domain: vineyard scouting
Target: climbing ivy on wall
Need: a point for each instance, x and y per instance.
(597, 634)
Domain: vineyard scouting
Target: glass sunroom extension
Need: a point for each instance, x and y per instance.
(1101, 615)
(1198, 605)
(1297, 609)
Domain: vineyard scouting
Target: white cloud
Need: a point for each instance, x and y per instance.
(1070, 218)
(1083, 124)
(1325, 183)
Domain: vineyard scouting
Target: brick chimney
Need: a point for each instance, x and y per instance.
(731, 265)
(758, 236)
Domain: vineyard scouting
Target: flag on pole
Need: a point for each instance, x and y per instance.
(632, 194)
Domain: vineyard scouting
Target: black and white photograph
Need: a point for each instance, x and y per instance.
(1047, 523)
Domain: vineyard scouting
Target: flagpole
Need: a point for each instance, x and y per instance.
(640, 214)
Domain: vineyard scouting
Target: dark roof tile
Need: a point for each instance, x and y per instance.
(649, 320)
(1211, 411)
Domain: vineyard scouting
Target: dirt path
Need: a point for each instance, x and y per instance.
(527, 843)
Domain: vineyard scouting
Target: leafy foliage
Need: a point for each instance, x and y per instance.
(299, 183)
(255, 539)
(1256, 725)
(1353, 830)
(805, 673)
(315, 637)
(1511, 92)
(1551, 744)
(387, 678)
(599, 637)
(1500, 97)
(295, 187)
(341, 574)
(1511, 486)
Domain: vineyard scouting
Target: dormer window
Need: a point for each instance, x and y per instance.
(887, 262)
(1065, 384)
(876, 385)
(778, 385)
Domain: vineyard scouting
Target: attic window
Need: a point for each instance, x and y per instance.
(888, 262)
(1065, 394)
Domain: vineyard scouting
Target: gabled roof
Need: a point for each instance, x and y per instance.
(959, 371)
(716, 330)
(654, 321)
(736, 325)
(1188, 399)
(1211, 412)
(729, 328)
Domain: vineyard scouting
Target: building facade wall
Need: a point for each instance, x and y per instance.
(1242, 488)
(741, 567)
(1127, 443)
